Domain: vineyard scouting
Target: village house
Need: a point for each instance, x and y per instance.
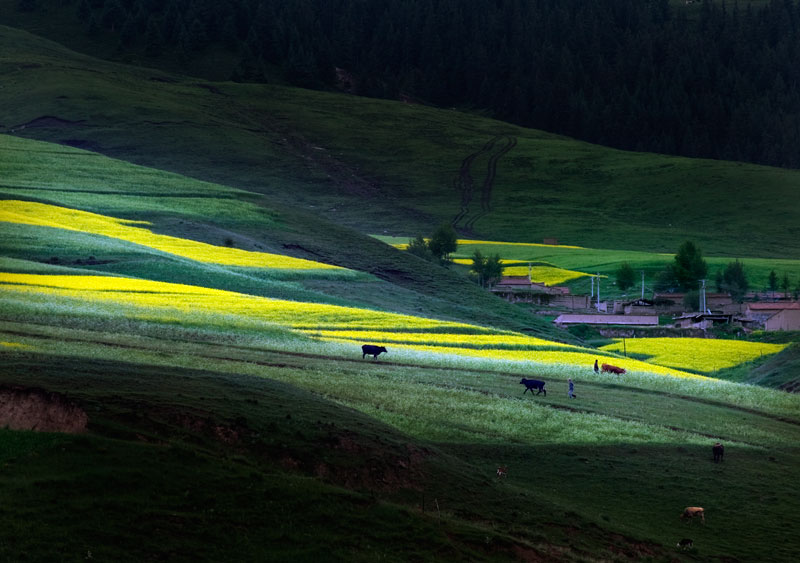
(674, 302)
(787, 319)
(520, 289)
(780, 315)
(704, 320)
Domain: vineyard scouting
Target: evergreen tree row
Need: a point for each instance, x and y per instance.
(718, 80)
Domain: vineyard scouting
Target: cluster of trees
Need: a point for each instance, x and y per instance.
(438, 248)
(688, 268)
(487, 269)
(716, 80)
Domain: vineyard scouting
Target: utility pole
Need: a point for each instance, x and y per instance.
(642, 284)
(591, 278)
(598, 291)
(702, 296)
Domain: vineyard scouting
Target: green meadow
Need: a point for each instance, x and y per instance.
(233, 417)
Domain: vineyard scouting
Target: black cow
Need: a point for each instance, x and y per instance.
(685, 543)
(374, 351)
(719, 451)
(531, 384)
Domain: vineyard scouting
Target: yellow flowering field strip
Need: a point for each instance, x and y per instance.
(498, 340)
(159, 298)
(522, 244)
(548, 275)
(31, 213)
(568, 358)
(705, 355)
(168, 302)
(17, 345)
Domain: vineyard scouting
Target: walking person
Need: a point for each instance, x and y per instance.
(571, 389)
(596, 369)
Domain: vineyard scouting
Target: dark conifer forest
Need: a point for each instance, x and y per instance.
(716, 79)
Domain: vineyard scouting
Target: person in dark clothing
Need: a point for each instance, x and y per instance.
(596, 369)
(571, 389)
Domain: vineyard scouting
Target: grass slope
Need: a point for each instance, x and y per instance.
(218, 215)
(295, 440)
(385, 166)
(244, 441)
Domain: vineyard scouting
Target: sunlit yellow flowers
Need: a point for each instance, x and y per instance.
(703, 355)
(31, 213)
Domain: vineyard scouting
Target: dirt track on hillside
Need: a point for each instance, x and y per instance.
(465, 185)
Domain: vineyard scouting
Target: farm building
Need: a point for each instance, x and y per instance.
(522, 289)
(627, 320)
(787, 319)
(761, 312)
(702, 320)
(674, 302)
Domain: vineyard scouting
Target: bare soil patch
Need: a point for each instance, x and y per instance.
(31, 408)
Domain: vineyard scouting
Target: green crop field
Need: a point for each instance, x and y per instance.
(188, 268)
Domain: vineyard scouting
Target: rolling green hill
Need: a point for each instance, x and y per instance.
(227, 418)
(392, 168)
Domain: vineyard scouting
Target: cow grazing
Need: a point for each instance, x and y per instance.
(719, 451)
(502, 471)
(691, 511)
(612, 369)
(685, 543)
(374, 351)
(531, 384)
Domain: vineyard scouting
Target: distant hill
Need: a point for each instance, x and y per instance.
(394, 168)
(703, 79)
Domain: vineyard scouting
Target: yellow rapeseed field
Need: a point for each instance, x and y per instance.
(469, 241)
(548, 275)
(703, 355)
(160, 301)
(157, 299)
(32, 213)
(498, 340)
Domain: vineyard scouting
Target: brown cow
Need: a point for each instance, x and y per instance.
(691, 511)
(502, 471)
(612, 369)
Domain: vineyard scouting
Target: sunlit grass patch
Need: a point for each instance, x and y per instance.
(31, 213)
(498, 340)
(705, 355)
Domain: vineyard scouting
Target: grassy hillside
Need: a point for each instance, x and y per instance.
(223, 217)
(228, 445)
(393, 168)
(571, 265)
(207, 326)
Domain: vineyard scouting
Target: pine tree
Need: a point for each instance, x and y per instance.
(785, 284)
(626, 277)
(734, 281)
(772, 282)
(153, 39)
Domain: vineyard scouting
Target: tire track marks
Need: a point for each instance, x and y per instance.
(488, 182)
(464, 183)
